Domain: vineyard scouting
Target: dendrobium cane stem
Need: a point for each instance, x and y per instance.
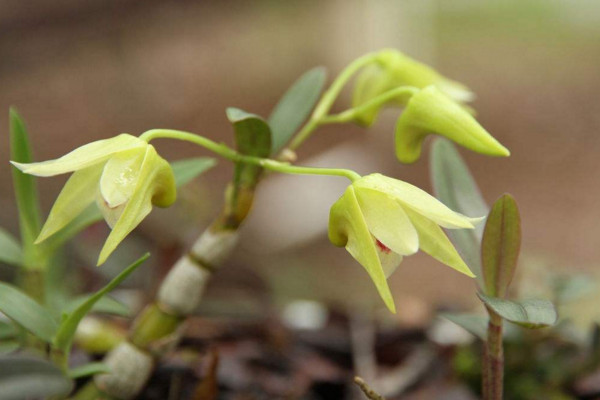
(157, 328)
(493, 361)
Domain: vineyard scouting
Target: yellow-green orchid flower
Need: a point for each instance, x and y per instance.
(124, 175)
(391, 70)
(379, 220)
(431, 111)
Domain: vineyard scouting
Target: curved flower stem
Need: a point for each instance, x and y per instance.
(402, 93)
(227, 152)
(329, 98)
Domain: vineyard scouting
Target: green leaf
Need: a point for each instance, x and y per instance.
(67, 328)
(106, 305)
(9, 346)
(26, 378)
(10, 250)
(475, 324)
(188, 169)
(7, 330)
(454, 186)
(295, 106)
(500, 246)
(253, 138)
(532, 314)
(26, 312)
(88, 369)
(252, 133)
(24, 185)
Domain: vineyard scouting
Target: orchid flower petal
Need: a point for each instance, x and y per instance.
(76, 195)
(388, 222)
(155, 185)
(120, 176)
(83, 157)
(347, 227)
(434, 242)
(418, 200)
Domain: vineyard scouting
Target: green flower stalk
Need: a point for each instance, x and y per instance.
(392, 69)
(124, 175)
(379, 220)
(431, 111)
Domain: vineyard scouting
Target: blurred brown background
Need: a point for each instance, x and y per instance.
(83, 70)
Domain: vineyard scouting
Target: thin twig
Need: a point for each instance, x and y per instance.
(366, 389)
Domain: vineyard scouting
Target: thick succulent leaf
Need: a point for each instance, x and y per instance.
(155, 179)
(532, 314)
(28, 378)
(24, 185)
(347, 227)
(388, 222)
(84, 156)
(253, 138)
(26, 312)
(500, 246)
(295, 106)
(89, 369)
(454, 186)
(68, 326)
(10, 249)
(418, 200)
(188, 169)
(77, 194)
(475, 324)
(430, 111)
(252, 133)
(433, 241)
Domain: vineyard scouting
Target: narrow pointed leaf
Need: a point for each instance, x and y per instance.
(454, 186)
(68, 326)
(7, 330)
(188, 169)
(295, 106)
(500, 246)
(29, 378)
(89, 370)
(106, 305)
(26, 312)
(9, 346)
(532, 314)
(475, 324)
(24, 185)
(10, 250)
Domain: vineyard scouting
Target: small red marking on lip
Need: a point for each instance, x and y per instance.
(382, 247)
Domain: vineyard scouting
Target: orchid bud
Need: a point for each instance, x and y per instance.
(391, 70)
(431, 111)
